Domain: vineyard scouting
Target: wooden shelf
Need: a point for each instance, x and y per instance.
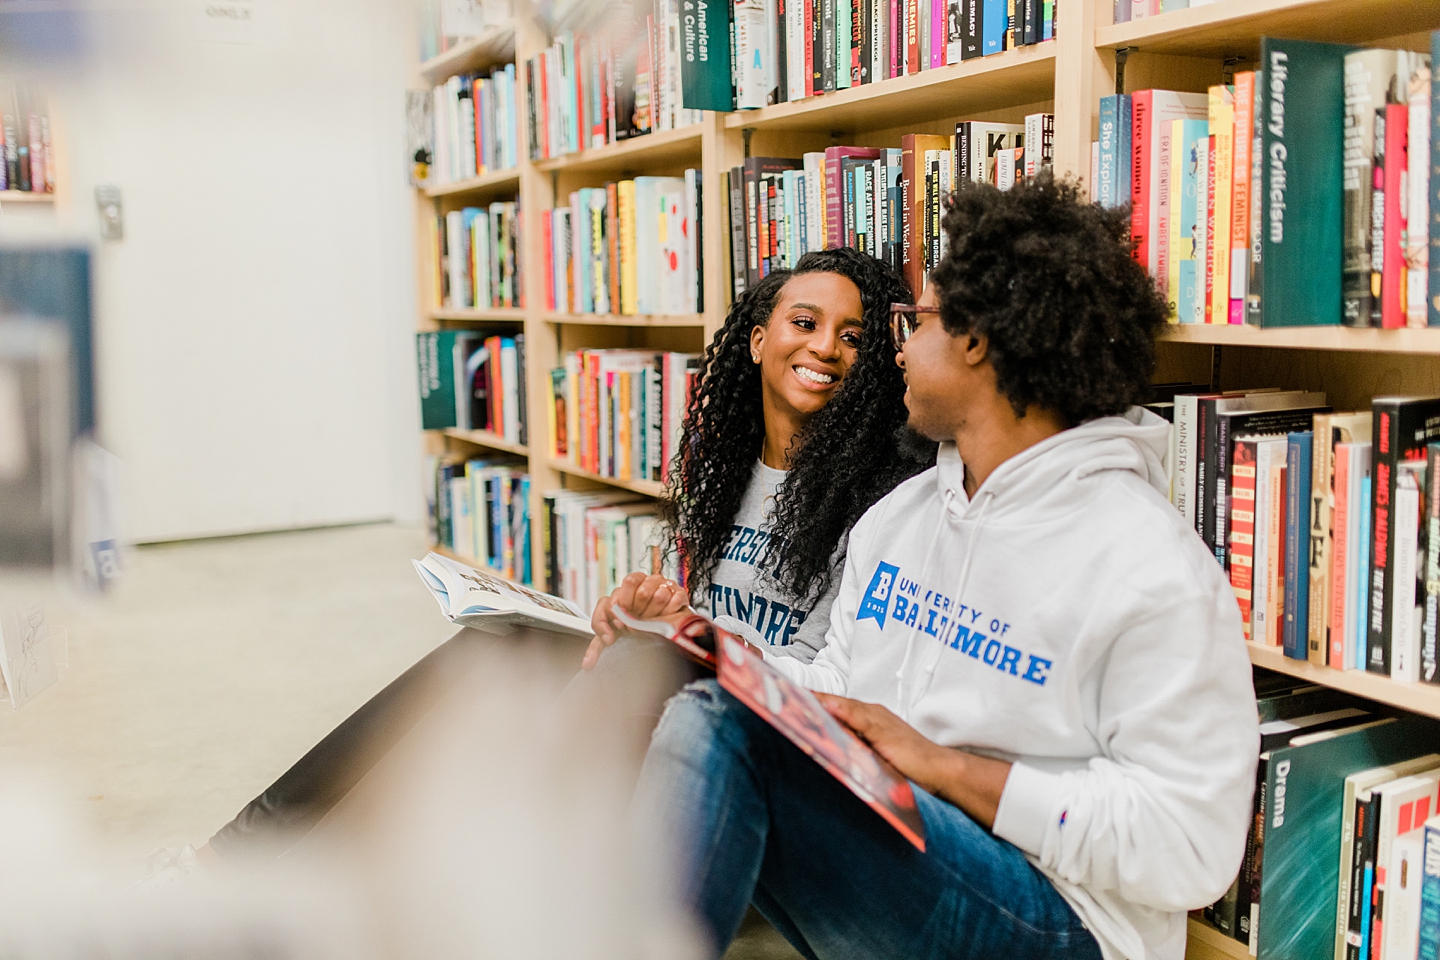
(1232, 27)
(667, 147)
(649, 488)
(1417, 697)
(25, 196)
(484, 438)
(1207, 943)
(479, 314)
(1409, 340)
(1020, 76)
(495, 182)
(494, 49)
(627, 319)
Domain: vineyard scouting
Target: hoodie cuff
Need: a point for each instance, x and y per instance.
(1028, 804)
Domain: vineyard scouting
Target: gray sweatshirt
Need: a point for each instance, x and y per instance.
(746, 600)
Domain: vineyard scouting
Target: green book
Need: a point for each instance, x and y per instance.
(1295, 281)
(705, 77)
(1300, 860)
(440, 358)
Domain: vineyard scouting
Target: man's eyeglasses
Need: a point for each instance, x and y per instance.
(905, 319)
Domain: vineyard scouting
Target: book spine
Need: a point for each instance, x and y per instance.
(1405, 657)
(913, 63)
(1429, 668)
(844, 15)
(1430, 891)
(738, 245)
(1242, 537)
(1207, 300)
(1105, 187)
(1183, 493)
(1240, 193)
(1397, 125)
(1223, 450)
(1385, 460)
(1297, 543)
(827, 36)
(1222, 127)
(1433, 299)
(1339, 558)
(937, 33)
(1140, 175)
(1204, 472)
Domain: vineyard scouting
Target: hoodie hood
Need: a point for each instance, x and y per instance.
(1036, 478)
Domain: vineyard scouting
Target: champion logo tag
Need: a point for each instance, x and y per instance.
(1063, 815)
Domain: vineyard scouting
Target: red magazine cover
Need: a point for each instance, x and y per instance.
(796, 713)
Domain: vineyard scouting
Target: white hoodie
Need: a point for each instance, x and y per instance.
(1068, 620)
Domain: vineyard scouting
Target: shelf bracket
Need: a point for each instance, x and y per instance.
(1215, 368)
(747, 133)
(1227, 68)
(1121, 55)
(554, 185)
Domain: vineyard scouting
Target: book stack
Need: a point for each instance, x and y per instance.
(885, 202)
(787, 50)
(476, 255)
(1298, 195)
(473, 381)
(593, 539)
(631, 247)
(27, 159)
(474, 126)
(608, 85)
(1327, 523)
(1332, 864)
(480, 511)
(617, 413)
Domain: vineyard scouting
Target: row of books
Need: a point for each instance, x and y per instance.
(630, 247)
(1321, 520)
(1333, 864)
(1242, 217)
(27, 157)
(616, 83)
(1127, 10)
(758, 52)
(474, 126)
(886, 202)
(476, 254)
(617, 413)
(592, 539)
(472, 380)
(442, 25)
(479, 510)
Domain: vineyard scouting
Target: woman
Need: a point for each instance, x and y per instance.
(793, 433)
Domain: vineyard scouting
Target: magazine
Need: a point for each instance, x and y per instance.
(796, 713)
(475, 598)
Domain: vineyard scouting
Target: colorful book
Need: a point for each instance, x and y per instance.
(1330, 429)
(1297, 544)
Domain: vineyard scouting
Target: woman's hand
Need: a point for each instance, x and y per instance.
(969, 781)
(643, 597)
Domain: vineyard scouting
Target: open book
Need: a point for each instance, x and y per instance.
(474, 598)
(797, 714)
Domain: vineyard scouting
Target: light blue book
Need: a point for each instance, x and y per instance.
(1191, 276)
(1362, 600)
(844, 10)
(1105, 174)
(994, 20)
(1430, 893)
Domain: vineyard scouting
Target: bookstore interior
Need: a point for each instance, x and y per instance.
(586, 192)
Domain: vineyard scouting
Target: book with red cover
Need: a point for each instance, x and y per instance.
(1392, 311)
(796, 713)
(835, 189)
(1242, 530)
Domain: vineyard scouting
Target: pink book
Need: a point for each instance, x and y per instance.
(937, 33)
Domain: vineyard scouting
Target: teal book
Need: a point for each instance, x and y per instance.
(705, 77)
(1300, 871)
(435, 358)
(1295, 280)
(1430, 893)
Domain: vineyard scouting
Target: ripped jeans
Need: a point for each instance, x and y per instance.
(751, 818)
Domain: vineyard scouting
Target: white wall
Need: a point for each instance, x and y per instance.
(255, 324)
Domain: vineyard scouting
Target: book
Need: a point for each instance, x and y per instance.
(474, 598)
(1428, 671)
(1296, 279)
(1352, 465)
(1403, 880)
(1330, 429)
(1410, 504)
(1401, 428)
(1368, 76)
(1297, 544)
(1221, 109)
(1428, 947)
(1152, 112)
(798, 715)
(1392, 261)
(1403, 804)
(1240, 192)
(1433, 298)
(1300, 863)
(1417, 234)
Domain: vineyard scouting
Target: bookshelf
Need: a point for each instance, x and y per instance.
(23, 196)
(1183, 50)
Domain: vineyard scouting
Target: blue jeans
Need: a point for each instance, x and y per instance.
(752, 818)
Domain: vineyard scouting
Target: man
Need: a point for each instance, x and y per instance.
(1029, 632)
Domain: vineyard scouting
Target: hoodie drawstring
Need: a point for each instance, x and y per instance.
(959, 591)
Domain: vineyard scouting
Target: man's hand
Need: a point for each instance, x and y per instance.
(966, 780)
(644, 598)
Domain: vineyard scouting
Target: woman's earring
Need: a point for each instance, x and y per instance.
(754, 358)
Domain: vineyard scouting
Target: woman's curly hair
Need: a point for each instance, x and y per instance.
(850, 453)
(1049, 279)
